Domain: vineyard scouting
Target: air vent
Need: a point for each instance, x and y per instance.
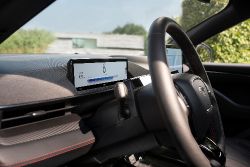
(28, 114)
(83, 105)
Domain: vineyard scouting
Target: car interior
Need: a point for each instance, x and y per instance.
(142, 113)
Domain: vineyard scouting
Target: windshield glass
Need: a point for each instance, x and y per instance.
(111, 27)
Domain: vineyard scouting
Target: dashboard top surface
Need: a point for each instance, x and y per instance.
(34, 78)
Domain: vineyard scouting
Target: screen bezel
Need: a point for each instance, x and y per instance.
(71, 77)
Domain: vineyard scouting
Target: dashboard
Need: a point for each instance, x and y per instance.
(36, 78)
(45, 98)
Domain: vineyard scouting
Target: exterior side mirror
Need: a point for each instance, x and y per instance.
(205, 52)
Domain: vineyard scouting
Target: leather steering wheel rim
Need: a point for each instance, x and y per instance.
(165, 91)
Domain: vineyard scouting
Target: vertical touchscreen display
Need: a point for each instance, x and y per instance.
(174, 58)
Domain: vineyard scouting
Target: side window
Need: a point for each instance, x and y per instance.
(230, 46)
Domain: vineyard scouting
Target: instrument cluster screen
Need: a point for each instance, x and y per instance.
(87, 73)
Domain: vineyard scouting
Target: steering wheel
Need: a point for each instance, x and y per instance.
(200, 138)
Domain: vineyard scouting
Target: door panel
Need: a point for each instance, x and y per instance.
(231, 83)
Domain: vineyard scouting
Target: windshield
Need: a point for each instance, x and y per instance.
(111, 27)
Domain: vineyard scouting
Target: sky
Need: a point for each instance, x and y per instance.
(99, 16)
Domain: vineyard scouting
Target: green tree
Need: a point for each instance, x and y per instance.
(27, 41)
(132, 29)
(230, 46)
(194, 12)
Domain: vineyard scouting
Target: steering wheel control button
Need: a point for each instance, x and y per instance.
(202, 92)
(210, 109)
